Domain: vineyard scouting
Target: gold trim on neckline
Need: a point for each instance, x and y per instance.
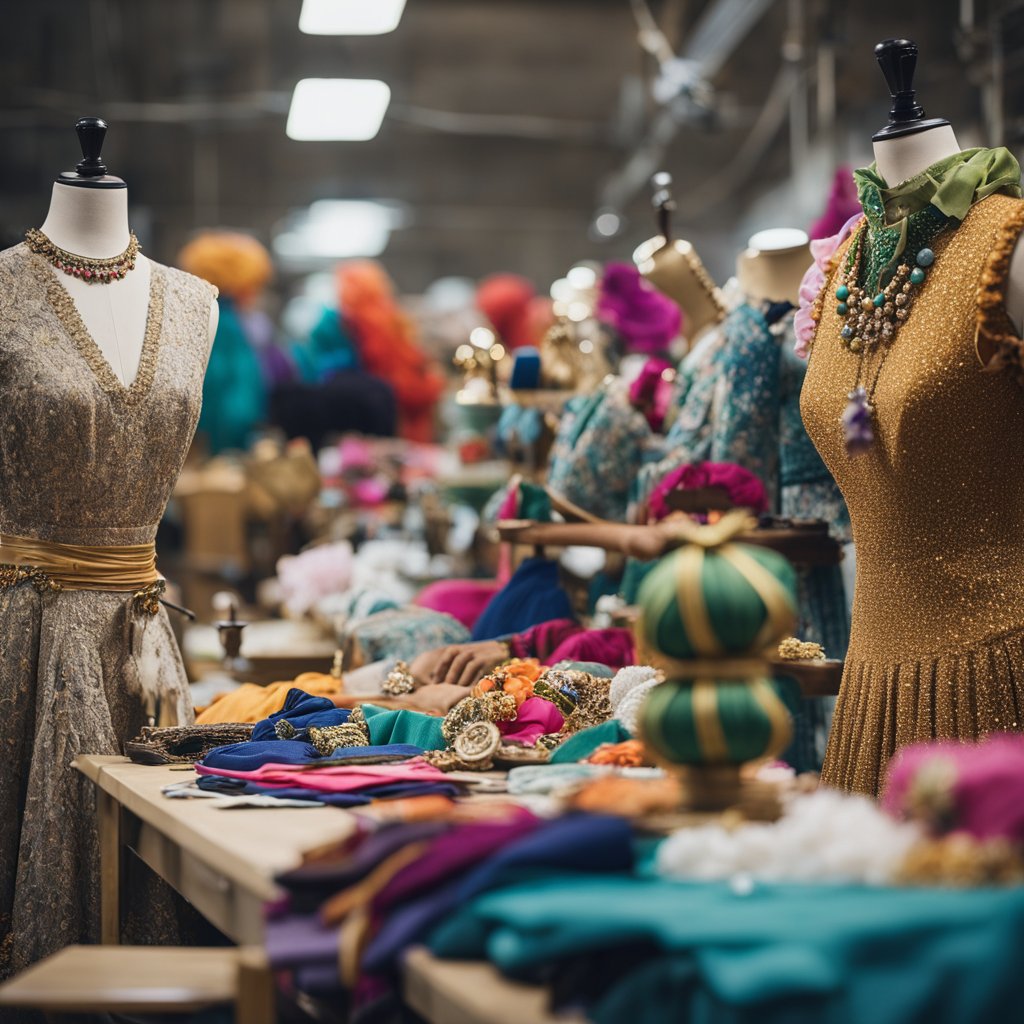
(67, 313)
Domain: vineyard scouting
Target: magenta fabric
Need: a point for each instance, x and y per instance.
(743, 488)
(987, 783)
(461, 599)
(841, 206)
(612, 647)
(646, 320)
(340, 779)
(536, 718)
(464, 847)
(539, 641)
(651, 391)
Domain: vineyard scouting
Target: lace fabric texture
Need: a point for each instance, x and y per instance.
(83, 460)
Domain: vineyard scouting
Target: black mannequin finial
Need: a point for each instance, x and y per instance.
(898, 60)
(90, 171)
(91, 132)
(663, 203)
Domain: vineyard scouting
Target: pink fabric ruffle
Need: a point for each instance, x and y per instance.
(968, 787)
(743, 488)
(822, 249)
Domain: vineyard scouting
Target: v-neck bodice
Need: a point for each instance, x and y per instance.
(83, 458)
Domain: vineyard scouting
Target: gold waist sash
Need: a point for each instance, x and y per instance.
(129, 567)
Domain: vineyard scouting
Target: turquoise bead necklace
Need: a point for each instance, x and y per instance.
(873, 316)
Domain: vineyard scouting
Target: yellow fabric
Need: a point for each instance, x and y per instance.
(253, 703)
(82, 567)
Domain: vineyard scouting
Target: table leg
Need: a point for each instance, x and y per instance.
(255, 999)
(111, 868)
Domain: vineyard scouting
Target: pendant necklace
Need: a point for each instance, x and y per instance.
(93, 271)
(871, 319)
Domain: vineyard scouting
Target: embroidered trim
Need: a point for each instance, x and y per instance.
(993, 324)
(67, 312)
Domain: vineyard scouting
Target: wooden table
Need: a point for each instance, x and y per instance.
(224, 862)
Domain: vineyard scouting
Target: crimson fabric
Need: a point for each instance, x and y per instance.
(541, 640)
(613, 647)
(536, 717)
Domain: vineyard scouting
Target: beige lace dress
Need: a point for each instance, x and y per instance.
(86, 461)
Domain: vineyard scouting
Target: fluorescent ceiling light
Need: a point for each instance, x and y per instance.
(331, 109)
(350, 17)
(338, 229)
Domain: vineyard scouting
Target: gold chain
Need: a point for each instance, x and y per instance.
(92, 271)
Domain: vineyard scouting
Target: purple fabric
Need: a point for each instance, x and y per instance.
(540, 640)
(462, 847)
(646, 320)
(613, 647)
(574, 843)
(298, 941)
(986, 786)
(535, 718)
(391, 791)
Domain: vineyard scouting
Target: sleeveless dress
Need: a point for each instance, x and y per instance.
(86, 461)
(937, 508)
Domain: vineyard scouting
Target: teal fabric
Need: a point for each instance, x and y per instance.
(327, 350)
(234, 393)
(387, 726)
(586, 741)
(781, 955)
(594, 668)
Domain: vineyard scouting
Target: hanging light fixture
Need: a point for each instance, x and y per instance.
(350, 17)
(337, 109)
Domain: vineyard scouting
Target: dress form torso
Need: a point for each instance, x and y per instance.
(903, 157)
(94, 222)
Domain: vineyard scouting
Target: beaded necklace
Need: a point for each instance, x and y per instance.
(874, 299)
(92, 271)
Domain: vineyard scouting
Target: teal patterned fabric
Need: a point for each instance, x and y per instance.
(600, 442)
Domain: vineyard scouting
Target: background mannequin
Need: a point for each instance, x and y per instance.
(88, 216)
(773, 265)
(909, 144)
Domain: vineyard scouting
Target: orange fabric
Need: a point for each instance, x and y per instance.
(253, 703)
(388, 346)
(238, 265)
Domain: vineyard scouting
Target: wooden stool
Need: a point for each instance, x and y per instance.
(146, 979)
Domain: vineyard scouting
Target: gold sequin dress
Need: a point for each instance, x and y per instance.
(937, 507)
(85, 461)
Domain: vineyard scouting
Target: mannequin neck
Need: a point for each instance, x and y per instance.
(902, 158)
(89, 222)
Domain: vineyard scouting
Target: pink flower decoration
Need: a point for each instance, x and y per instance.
(647, 320)
(742, 487)
(822, 249)
(651, 391)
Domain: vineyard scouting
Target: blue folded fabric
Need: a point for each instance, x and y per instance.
(533, 595)
(253, 754)
(301, 710)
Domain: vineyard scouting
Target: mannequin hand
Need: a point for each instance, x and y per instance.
(465, 664)
(435, 699)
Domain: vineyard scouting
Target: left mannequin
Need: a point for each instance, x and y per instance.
(88, 216)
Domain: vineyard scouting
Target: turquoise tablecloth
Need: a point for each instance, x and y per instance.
(780, 955)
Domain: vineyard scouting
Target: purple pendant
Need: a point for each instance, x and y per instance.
(858, 432)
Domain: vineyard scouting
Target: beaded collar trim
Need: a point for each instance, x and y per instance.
(92, 271)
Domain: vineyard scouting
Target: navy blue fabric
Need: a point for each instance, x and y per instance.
(533, 595)
(578, 842)
(301, 710)
(253, 754)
